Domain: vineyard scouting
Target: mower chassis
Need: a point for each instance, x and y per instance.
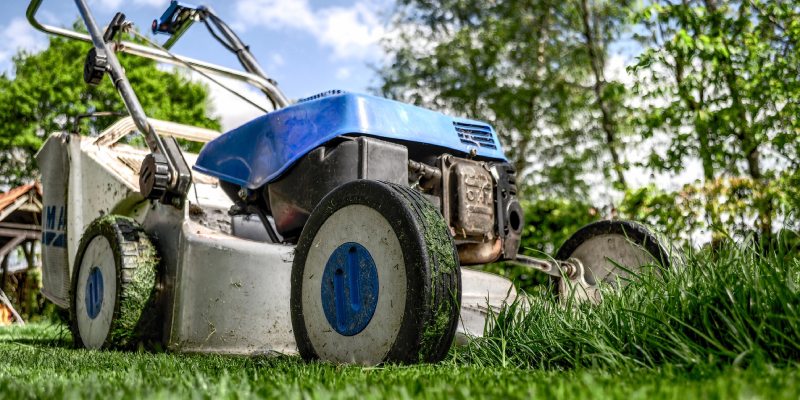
(222, 294)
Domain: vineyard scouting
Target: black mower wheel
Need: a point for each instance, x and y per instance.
(113, 288)
(375, 278)
(605, 246)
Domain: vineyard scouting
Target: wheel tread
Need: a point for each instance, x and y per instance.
(442, 289)
(135, 312)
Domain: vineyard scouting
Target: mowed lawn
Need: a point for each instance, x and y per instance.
(722, 325)
(35, 365)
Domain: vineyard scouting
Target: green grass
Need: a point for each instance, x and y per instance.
(34, 365)
(724, 325)
(738, 305)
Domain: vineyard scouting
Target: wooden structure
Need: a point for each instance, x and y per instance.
(20, 226)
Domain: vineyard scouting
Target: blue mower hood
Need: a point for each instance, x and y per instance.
(259, 151)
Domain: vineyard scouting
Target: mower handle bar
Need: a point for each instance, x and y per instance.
(173, 179)
(161, 56)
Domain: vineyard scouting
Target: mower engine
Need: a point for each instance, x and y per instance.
(477, 198)
(458, 165)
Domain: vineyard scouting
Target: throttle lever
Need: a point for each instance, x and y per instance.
(114, 27)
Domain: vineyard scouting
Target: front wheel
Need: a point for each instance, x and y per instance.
(113, 291)
(375, 278)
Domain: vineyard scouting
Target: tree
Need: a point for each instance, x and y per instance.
(725, 77)
(47, 94)
(534, 69)
(601, 25)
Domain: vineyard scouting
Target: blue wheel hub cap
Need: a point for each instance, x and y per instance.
(94, 292)
(349, 289)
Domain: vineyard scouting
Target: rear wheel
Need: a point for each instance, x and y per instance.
(114, 286)
(614, 252)
(375, 278)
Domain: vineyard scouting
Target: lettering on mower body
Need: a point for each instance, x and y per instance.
(55, 226)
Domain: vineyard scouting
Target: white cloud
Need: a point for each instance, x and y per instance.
(232, 110)
(229, 108)
(152, 3)
(276, 60)
(343, 73)
(114, 5)
(351, 32)
(106, 4)
(279, 14)
(19, 35)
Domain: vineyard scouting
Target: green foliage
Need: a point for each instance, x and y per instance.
(534, 69)
(23, 289)
(721, 81)
(735, 203)
(677, 214)
(550, 222)
(47, 93)
(789, 184)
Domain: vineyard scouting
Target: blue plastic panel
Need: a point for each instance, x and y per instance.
(259, 151)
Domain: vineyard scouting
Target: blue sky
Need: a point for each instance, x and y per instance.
(308, 46)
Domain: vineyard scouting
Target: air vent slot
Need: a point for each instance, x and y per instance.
(333, 92)
(475, 134)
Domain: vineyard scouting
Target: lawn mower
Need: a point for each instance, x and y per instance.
(336, 226)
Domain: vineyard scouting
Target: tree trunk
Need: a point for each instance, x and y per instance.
(704, 147)
(23, 290)
(523, 145)
(744, 131)
(607, 123)
(4, 266)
